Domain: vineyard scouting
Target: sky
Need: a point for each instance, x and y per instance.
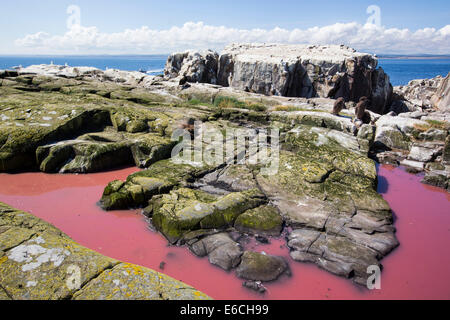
(33, 27)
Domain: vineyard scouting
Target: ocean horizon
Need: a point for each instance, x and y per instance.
(151, 64)
(401, 70)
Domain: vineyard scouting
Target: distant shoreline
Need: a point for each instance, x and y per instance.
(140, 56)
(413, 57)
(380, 56)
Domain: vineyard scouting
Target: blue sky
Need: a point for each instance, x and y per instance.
(40, 26)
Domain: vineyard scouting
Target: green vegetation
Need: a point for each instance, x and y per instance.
(287, 108)
(431, 124)
(198, 102)
(442, 125)
(230, 102)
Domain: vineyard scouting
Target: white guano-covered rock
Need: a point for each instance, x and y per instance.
(308, 71)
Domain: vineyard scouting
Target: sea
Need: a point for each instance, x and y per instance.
(151, 64)
(400, 70)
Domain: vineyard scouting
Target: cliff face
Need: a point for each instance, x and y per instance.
(297, 71)
(193, 66)
(442, 97)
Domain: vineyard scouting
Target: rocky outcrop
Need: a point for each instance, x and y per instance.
(416, 144)
(142, 186)
(441, 99)
(323, 199)
(325, 184)
(415, 138)
(85, 126)
(193, 66)
(60, 71)
(39, 262)
(297, 71)
(352, 213)
(426, 93)
(184, 210)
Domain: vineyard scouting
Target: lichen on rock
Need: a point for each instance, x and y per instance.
(80, 120)
(39, 262)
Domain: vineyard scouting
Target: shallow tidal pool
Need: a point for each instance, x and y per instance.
(418, 269)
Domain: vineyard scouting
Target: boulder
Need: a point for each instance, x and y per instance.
(422, 154)
(137, 126)
(417, 165)
(405, 125)
(413, 115)
(261, 267)
(124, 77)
(264, 220)
(382, 91)
(254, 285)
(102, 151)
(338, 255)
(221, 250)
(437, 180)
(315, 119)
(391, 138)
(433, 135)
(95, 157)
(367, 132)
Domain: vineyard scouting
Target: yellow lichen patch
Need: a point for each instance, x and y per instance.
(128, 281)
(134, 268)
(45, 273)
(14, 236)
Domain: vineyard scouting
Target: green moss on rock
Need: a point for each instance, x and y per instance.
(264, 220)
(160, 177)
(261, 267)
(185, 210)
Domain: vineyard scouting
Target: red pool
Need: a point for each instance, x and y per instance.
(418, 269)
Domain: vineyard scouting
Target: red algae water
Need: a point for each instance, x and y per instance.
(418, 269)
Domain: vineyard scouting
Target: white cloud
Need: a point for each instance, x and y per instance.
(197, 35)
